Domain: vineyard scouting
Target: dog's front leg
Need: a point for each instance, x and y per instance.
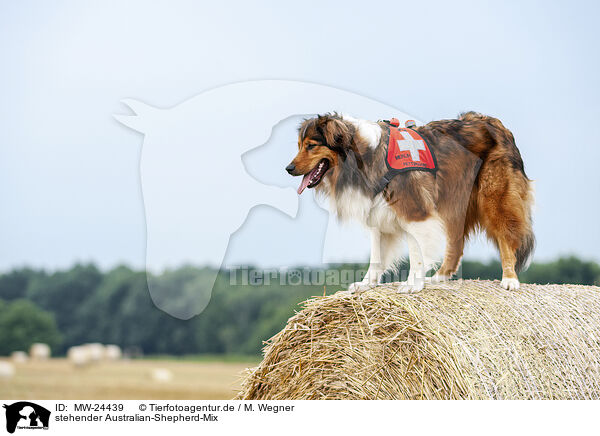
(384, 249)
(425, 240)
(416, 274)
(376, 267)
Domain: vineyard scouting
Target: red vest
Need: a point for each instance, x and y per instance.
(406, 151)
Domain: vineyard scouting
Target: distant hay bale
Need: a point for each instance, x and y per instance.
(457, 340)
(7, 370)
(86, 354)
(95, 350)
(161, 375)
(79, 356)
(19, 357)
(112, 352)
(39, 351)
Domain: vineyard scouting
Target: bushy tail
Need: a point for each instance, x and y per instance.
(525, 252)
(499, 146)
(499, 138)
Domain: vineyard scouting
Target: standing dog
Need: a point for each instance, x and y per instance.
(478, 183)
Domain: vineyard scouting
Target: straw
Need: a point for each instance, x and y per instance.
(456, 340)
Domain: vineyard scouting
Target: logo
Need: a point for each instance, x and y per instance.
(26, 415)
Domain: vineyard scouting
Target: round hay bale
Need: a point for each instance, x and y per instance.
(19, 356)
(112, 352)
(79, 356)
(39, 351)
(7, 370)
(95, 350)
(161, 375)
(456, 340)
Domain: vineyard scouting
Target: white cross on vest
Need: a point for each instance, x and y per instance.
(410, 144)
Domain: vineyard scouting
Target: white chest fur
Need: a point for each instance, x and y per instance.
(354, 205)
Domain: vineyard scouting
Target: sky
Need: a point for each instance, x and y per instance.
(69, 172)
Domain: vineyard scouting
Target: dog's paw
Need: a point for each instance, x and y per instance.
(411, 287)
(359, 287)
(437, 278)
(511, 284)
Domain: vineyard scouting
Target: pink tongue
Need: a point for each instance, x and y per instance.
(304, 183)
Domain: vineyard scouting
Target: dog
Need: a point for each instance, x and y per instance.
(476, 181)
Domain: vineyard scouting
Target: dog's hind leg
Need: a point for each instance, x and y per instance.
(425, 241)
(510, 280)
(452, 257)
(506, 223)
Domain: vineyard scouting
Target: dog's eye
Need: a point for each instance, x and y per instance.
(310, 146)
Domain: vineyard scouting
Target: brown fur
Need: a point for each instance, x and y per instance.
(480, 183)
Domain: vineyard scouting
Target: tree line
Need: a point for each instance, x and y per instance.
(84, 304)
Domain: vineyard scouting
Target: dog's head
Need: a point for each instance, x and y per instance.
(322, 142)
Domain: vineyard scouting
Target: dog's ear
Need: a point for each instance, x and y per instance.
(334, 130)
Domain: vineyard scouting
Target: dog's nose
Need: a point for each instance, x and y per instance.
(290, 168)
